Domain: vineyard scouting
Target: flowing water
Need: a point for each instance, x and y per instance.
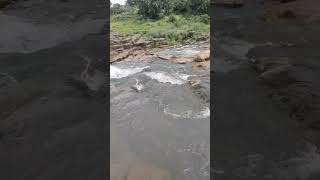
(160, 124)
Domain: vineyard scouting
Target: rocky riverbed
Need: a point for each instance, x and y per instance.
(265, 96)
(160, 110)
(52, 96)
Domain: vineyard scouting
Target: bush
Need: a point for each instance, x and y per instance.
(202, 18)
(151, 8)
(154, 9)
(172, 19)
(117, 9)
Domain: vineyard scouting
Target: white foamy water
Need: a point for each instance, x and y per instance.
(138, 86)
(205, 113)
(164, 77)
(117, 73)
(186, 114)
(183, 76)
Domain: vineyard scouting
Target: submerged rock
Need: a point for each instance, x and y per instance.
(201, 65)
(195, 83)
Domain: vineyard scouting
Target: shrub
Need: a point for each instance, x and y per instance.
(198, 6)
(172, 19)
(154, 9)
(117, 9)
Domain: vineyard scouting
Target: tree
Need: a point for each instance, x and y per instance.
(151, 8)
(132, 2)
(117, 9)
(198, 6)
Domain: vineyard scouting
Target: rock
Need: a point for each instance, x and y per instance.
(138, 53)
(135, 38)
(182, 59)
(116, 46)
(140, 42)
(307, 11)
(201, 65)
(202, 56)
(7, 80)
(164, 57)
(125, 48)
(177, 59)
(275, 73)
(195, 83)
(120, 56)
(266, 63)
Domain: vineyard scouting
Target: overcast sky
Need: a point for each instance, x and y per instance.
(122, 2)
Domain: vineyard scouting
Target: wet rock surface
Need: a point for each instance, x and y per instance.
(123, 48)
(303, 11)
(265, 96)
(53, 90)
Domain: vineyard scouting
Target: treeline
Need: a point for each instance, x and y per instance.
(154, 9)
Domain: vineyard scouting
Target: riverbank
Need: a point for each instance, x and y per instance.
(171, 29)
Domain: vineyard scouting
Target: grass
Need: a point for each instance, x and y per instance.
(173, 28)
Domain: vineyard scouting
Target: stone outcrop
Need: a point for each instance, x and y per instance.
(202, 56)
(199, 60)
(307, 11)
(295, 86)
(123, 48)
(135, 47)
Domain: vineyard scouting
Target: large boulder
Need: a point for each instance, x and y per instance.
(202, 56)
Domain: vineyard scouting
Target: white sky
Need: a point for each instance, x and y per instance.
(122, 2)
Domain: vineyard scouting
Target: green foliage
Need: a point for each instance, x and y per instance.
(152, 9)
(173, 28)
(132, 2)
(155, 9)
(198, 6)
(173, 20)
(117, 9)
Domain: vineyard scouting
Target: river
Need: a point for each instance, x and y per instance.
(159, 122)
